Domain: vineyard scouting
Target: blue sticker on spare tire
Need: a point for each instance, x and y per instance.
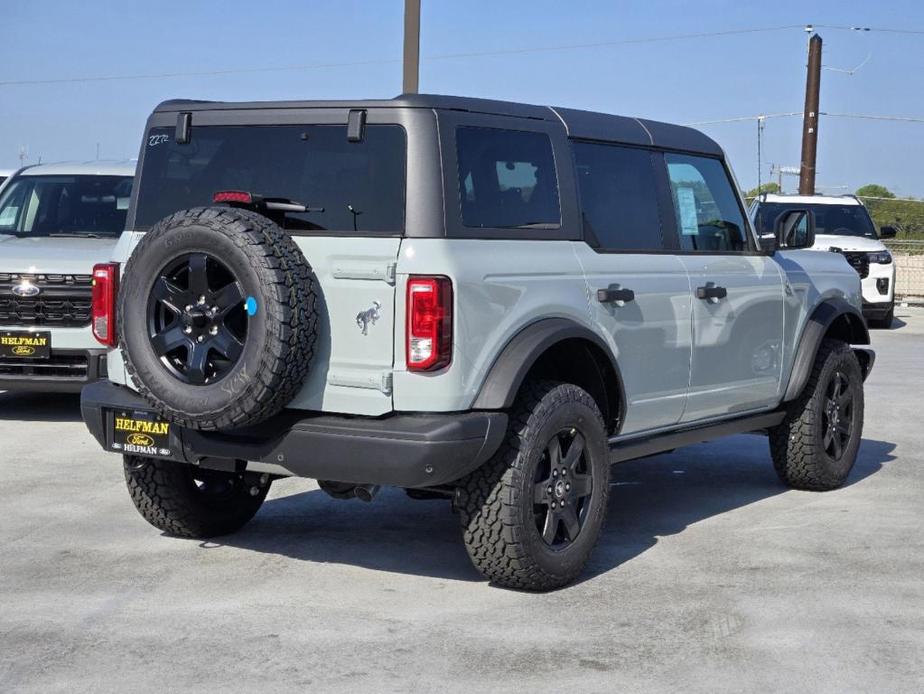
(251, 306)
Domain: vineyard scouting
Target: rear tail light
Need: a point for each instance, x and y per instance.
(103, 312)
(429, 323)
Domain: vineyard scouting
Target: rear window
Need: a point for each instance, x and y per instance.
(65, 205)
(355, 186)
(507, 179)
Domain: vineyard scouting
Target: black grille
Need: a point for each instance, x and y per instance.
(63, 300)
(63, 366)
(859, 262)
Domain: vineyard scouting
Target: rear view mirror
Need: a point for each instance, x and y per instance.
(795, 229)
(887, 232)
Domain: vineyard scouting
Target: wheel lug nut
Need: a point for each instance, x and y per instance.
(554, 473)
(564, 471)
(201, 300)
(187, 330)
(200, 338)
(549, 490)
(189, 307)
(553, 504)
(567, 487)
(213, 330)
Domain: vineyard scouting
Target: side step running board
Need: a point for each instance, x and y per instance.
(622, 449)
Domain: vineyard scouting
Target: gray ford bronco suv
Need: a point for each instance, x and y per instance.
(486, 301)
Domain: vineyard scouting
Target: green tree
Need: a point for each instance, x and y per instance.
(874, 190)
(906, 215)
(763, 188)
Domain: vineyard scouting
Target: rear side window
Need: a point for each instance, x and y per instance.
(359, 185)
(507, 179)
(618, 197)
(706, 207)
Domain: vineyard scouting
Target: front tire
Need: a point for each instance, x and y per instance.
(815, 447)
(533, 513)
(188, 501)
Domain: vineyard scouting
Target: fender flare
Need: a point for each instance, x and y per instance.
(506, 375)
(813, 333)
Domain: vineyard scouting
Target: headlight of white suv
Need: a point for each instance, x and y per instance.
(883, 257)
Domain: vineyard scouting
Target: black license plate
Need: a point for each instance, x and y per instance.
(22, 344)
(138, 432)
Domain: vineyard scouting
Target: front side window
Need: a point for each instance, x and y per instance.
(82, 205)
(618, 197)
(706, 208)
(350, 186)
(507, 179)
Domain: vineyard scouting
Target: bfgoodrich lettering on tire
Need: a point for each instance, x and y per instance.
(816, 445)
(217, 318)
(532, 514)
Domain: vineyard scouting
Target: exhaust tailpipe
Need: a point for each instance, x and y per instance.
(366, 492)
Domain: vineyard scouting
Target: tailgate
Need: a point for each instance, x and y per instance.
(351, 371)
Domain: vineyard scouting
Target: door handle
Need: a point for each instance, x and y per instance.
(615, 294)
(711, 291)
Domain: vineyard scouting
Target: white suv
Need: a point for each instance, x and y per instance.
(843, 225)
(56, 222)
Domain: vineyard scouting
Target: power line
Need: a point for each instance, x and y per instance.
(443, 56)
(740, 119)
(866, 116)
(886, 30)
(764, 116)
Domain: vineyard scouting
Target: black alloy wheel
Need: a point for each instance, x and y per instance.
(196, 318)
(562, 489)
(837, 416)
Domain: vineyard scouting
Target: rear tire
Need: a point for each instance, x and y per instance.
(187, 501)
(517, 532)
(815, 447)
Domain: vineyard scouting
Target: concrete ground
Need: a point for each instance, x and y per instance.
(711, 576)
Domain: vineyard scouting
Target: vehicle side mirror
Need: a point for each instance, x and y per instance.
(795, 229)
(887, 232)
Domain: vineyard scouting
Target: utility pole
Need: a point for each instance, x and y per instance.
(810, 118)
(411, 46)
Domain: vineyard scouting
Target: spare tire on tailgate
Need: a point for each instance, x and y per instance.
(217, 317)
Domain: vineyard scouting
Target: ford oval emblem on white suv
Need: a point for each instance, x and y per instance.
(26, 289)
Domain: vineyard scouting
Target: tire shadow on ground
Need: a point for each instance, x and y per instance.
(39, 407)
(650, 498)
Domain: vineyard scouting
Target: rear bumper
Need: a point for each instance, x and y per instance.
(66, 371)
(405, 450)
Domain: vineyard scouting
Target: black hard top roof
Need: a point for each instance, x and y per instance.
(587, 125)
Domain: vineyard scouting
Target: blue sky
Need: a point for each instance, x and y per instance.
(680, 81)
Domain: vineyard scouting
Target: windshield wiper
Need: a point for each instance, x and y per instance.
(80, 234)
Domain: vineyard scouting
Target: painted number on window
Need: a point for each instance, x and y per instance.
(154, 140)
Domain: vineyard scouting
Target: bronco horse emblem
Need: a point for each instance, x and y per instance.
(368, 317)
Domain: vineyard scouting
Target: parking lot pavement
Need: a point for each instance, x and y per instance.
(710, 576)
